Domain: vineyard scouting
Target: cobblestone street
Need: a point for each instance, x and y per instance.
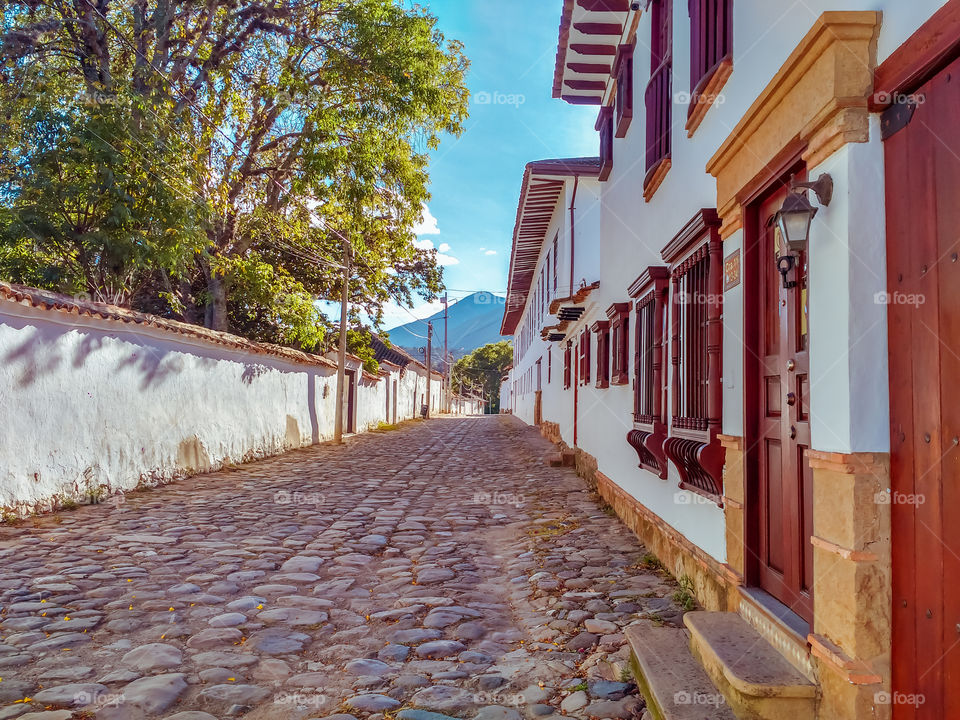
(440, 567)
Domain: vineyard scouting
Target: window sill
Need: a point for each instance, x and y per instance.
(707, 93)
(698, 457)
(654, 177)
(602, 384)
(620, 380)
(647, 440)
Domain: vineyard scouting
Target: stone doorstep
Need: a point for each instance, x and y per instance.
(757, 681)
(674, 684)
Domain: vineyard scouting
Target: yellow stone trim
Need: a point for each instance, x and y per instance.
(845, 553)
(731, 503)
(731, 442)
(819, 95)
(854, 671)
(849, 463)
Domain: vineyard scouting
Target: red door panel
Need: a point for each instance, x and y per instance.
(923, 278)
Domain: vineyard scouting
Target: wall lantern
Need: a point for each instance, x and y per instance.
(793, 222)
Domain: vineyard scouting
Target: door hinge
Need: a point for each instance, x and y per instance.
(896, 117)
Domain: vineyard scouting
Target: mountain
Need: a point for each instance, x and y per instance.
(473, 321)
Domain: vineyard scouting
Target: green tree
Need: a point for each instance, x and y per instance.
(482, 370)
(303, 122)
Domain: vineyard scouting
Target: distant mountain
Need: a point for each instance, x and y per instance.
(474, 321)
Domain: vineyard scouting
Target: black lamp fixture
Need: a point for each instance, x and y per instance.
(793, 221)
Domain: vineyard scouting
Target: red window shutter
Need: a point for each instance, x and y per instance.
(658, 97)
(711, 37)
(623, 70)
(605, 125)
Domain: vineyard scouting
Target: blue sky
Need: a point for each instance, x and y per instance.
(475, 179)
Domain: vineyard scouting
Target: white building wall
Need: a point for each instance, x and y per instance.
(847, 326)
(93, 404)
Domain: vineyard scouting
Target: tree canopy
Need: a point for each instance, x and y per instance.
(482, 370)
(208, 160)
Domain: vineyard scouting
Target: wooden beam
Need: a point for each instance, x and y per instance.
(604, 5)
(589, 68)
(594, 28)
(594, 49)
(586, 84)
(930, 48)
(582, 99)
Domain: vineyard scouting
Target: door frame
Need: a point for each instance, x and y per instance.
(775, 176)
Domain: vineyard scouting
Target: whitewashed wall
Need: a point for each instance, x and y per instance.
(98, 404)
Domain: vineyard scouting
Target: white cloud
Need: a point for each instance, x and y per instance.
(490, 252)
(427, 224)
(482, 249)
(444, 247)
(447, 260)
(424, 244)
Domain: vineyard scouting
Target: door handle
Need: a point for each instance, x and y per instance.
(791, 365)
(793, 432)
(791, 399)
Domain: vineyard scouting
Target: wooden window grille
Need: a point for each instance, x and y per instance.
(584, 376)
(658, 98)
(619, 316)
(605, 126)
(651, 291)
(696, 336)
(623, 71)
(601, 329)
(711, 55)
(567, 365)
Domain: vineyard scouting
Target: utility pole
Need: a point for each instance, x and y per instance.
(342, 357)
(429, 363)
(446, 356)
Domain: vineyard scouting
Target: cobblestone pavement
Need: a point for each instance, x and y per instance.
(438, 568)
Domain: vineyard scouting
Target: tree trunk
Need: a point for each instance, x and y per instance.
(216, 313)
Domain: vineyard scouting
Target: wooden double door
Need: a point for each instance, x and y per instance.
(780, 481)
(922, 166)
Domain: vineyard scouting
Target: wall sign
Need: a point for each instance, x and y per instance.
(731, 270)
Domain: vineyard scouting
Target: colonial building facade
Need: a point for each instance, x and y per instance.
(743, 317)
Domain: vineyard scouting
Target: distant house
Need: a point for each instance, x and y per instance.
(756, 372)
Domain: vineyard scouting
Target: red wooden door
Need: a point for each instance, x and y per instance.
(923, 278)
(784, 479)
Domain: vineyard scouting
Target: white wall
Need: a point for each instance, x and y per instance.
(94, 403)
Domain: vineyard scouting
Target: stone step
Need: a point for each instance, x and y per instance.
(569, 458)
(672, 681)
(757, 681)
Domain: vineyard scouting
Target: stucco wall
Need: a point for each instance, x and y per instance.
(95, 404)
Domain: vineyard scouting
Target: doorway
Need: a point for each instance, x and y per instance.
(779, 478)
